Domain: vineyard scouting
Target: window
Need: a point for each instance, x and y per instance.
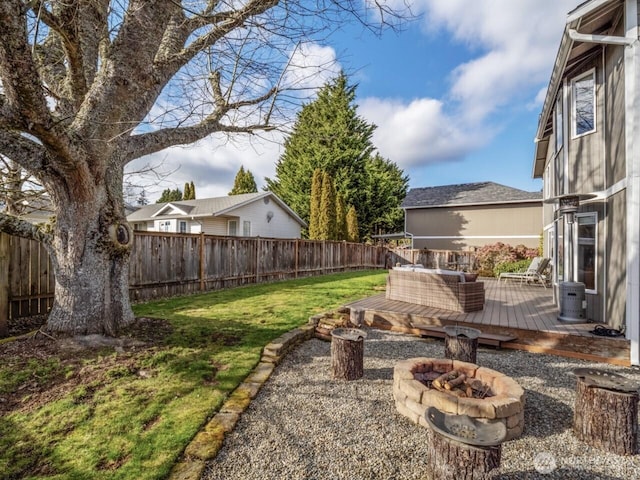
(558, 124)
(164, 226)
(183, 227)
(583, 91)
(587, 234)
(232, 228)
(246, 228)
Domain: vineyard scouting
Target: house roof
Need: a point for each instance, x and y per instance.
(481, 193)
(591, 17)
(206, 207)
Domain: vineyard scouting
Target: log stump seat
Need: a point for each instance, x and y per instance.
(461, 343)
(606, 411)
(347, 353)
(462, 448)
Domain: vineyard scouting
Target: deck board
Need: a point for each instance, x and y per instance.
(526, 311)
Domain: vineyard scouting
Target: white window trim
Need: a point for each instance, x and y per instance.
(244, 233)
(588, 73)
(595, 249)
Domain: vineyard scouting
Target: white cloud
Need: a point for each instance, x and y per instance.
(311, 66)
(512, 46)
(212, 163)
(418, 132)
(516, 40)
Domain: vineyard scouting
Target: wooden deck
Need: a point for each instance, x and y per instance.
(524, 311)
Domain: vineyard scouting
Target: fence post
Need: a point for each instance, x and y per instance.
(296, 252)
(4, 284)
(202, 263)
(257, 259)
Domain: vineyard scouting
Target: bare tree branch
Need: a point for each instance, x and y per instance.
(23, 151)
(21, 228)
(17, 65)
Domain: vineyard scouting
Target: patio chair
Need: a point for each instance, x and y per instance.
(534, 273)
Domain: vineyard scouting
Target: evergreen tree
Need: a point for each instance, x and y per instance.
(169, 195)
(386, 187)
(329, 134)
(316, 195)
(189, 191)
(352, 225)
(341, 218)
(244, 182)
(327, 217)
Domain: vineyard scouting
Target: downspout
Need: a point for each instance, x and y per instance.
(632, 155)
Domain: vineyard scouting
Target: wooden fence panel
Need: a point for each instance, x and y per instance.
(30, 278)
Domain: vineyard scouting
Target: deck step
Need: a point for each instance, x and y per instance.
(484, 338)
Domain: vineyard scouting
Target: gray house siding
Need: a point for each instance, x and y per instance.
(617, 260)
(614, 114)
(459, 228)
(586, 165)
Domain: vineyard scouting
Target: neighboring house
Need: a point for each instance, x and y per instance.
(247, 215)
(459, 217)
(588, 142)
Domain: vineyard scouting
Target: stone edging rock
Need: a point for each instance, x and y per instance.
(208, 441)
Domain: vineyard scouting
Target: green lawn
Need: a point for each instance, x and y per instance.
(129, 415)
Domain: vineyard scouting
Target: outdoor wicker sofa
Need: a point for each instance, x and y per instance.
(447, 290)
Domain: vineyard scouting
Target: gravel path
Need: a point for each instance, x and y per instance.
(304, 425)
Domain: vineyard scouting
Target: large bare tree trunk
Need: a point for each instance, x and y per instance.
(91, 260)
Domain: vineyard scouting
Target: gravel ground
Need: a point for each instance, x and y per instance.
(304, 425)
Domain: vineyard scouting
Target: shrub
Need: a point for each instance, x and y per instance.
(492, 257)
(517, 266)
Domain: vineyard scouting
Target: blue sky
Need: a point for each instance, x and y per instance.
(455, 96)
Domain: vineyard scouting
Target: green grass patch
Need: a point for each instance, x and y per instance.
(130, 415)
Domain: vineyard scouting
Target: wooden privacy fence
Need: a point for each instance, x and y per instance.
(173, 264)
(164, 264)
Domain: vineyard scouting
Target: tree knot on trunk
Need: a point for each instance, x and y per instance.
(121, 236)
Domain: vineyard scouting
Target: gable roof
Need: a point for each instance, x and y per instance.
(481, 193)
(206, 207)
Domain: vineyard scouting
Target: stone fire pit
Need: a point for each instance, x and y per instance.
(504, 398)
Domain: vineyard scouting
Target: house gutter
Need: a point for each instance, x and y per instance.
(632, 155)
(601, 39)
